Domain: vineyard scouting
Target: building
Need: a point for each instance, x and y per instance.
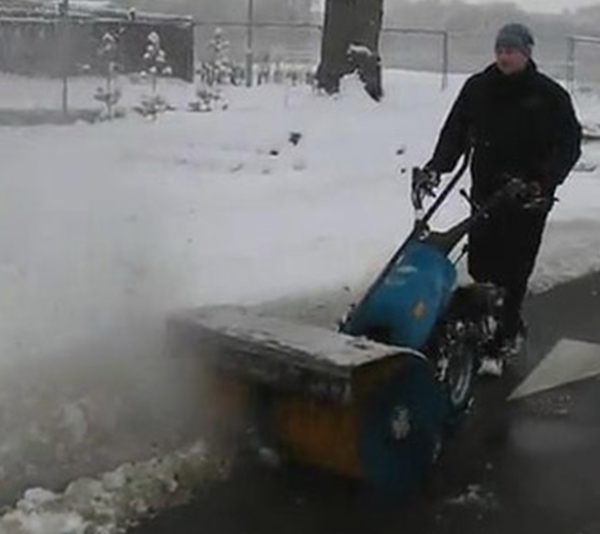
(34, 40)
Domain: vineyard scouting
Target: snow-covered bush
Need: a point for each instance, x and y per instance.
(207, 99)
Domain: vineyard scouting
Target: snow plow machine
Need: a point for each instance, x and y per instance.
(376, 399)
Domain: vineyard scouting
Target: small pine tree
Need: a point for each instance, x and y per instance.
(213, 74)
(219, 62)
(278, 74)
(264, 70)
(155, 59)
(108, 52)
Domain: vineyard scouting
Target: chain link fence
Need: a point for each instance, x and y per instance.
(294, 47)
(572, 60)
(582, 65)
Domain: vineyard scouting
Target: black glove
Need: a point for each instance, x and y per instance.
(537, 197)
(527, 195)
(425, 181)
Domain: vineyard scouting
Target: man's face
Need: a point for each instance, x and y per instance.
(510, 60)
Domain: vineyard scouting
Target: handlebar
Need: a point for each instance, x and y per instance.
(515, 189)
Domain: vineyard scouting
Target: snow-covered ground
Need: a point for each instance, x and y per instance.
(105, 229)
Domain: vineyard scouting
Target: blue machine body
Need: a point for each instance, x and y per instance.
(405, 303)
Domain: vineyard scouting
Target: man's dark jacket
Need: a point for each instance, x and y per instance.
(523, 125)
(520, 125)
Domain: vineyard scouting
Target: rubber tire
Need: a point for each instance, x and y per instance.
(458, 411)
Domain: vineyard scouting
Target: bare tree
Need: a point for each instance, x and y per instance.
(351, 43)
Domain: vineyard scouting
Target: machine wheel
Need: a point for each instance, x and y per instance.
(457, 365)
(401, 431)
(457, 345)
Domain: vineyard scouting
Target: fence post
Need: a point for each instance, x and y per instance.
(445, 60)
(250, 45)
(66, 51)
(571, 64)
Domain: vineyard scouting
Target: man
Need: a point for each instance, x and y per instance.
(518, 123)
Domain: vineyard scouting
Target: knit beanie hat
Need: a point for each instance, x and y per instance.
(515, 36)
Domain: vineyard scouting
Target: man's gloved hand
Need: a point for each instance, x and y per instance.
(536, 197)
(534, 190)
(425, 181)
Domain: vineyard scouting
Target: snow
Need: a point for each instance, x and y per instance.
(331, 351)
(475, 497)
(112, 225)
(117, 499)
(106, 229)
(360, 50)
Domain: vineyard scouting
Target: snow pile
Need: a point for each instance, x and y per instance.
(64, 418)
(117, 499)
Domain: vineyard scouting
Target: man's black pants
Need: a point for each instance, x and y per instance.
(502, 250)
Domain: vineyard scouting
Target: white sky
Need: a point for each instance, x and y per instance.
(530, 5)
(545, 5)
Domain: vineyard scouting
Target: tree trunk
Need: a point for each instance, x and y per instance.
(351, 43)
